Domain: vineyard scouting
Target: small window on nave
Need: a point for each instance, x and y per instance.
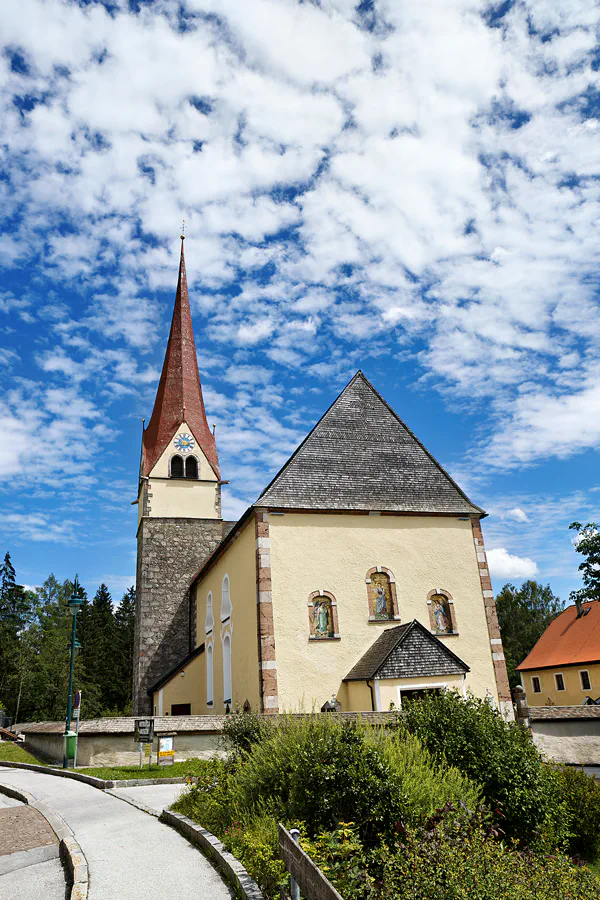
(176, 467)
(225, 600)
(191, 467)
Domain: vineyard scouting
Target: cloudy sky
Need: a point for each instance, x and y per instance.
(409, 187)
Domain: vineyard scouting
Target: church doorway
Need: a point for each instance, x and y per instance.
(417, 693)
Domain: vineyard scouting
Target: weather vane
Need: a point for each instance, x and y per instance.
(183, 230)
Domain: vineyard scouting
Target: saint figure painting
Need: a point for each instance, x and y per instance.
(441, 614)
(383, 606)
(322, 617)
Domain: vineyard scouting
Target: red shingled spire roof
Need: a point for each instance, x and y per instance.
(179, 396)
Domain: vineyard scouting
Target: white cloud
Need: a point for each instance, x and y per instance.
(504, 565)
(517, 514)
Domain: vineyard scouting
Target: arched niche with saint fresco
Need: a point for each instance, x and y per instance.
(381, 595)
(442, 618)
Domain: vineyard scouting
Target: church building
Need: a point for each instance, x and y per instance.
(359, 575)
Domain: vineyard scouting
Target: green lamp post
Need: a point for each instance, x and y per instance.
(70, 737)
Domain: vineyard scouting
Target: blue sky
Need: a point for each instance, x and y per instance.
(406, 188)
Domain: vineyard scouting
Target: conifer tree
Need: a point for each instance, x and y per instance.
(125, 622)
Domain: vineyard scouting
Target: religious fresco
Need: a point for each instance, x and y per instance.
(322, 618)
(442, 617)
(381, 591)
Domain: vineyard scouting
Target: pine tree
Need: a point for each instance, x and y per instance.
(125, 622)
(101, 648)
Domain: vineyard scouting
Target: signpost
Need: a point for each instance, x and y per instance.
(144, 734)
(76, 714)
(166, 751)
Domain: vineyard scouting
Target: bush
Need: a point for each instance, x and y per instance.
(254, 841)
(581, 803)
(498, 755)
(244, 729)
(321, 771)
(450, 858)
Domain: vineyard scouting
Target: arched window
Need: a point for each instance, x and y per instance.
(176, 467)
(441, 612)
(191, 467)
(381, 594)
(225, 600)
(209, 622)
(227, 669)
(209, 675)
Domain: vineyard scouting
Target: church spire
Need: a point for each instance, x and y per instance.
(179, 396)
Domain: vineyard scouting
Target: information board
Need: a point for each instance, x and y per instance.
(166, 751)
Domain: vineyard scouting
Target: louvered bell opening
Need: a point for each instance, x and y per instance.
(191, 467)
(177, 467)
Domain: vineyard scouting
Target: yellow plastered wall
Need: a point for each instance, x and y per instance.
(186, 688)
(239, 563)
(182, 497)
(573, 695)
(333, 552)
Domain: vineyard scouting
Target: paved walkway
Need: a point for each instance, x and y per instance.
(131, 855)
(29, 865)
(154, 796)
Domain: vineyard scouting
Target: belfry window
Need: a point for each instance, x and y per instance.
(191, 467)
(177, 467)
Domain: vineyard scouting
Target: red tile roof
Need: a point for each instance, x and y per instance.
(179, 396)
(568, 640)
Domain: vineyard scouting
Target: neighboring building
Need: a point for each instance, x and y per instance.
(563, 669)
(359, 572)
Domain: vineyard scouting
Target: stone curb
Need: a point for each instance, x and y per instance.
(228, 865)
(70, 851)
(92, 780)
(137, 803)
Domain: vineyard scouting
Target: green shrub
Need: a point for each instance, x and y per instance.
(581, 803)
(427, 785)
(244, 729)
(470, 865)
(341, 857)
(321, 771)
(498, 755)
(255, 843)
(451, 858)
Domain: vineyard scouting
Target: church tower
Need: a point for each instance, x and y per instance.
(179, 508)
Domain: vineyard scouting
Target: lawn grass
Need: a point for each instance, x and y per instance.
(124, 773)
(16, 753)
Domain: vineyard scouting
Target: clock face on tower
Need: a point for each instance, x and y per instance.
(185, 443)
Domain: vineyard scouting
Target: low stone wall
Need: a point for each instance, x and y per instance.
(110, 742)
(567, 734)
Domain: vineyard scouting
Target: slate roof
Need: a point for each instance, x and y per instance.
(362, 456)
(568, 640)
(406, 651)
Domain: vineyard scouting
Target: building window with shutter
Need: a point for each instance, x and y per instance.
(586, 684)
(535, 684)
(560, 681)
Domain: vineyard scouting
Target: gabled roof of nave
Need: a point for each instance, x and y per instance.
(179, 395)
(362, 456)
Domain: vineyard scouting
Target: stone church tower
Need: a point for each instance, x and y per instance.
(179, 508)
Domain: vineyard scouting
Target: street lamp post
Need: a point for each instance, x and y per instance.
(74, 604)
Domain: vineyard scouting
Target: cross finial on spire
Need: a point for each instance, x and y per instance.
(183, 230)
